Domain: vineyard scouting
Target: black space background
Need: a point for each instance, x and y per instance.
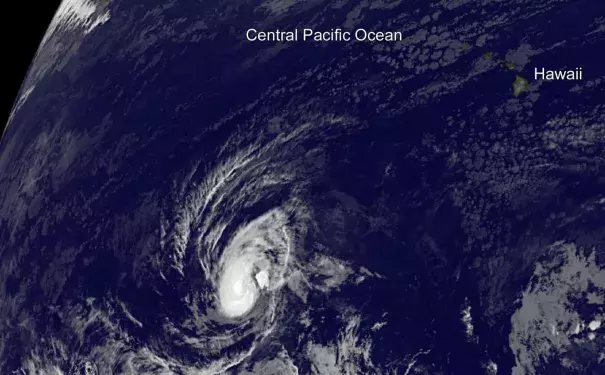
(24, 25)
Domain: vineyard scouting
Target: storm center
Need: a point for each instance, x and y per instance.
(237, 292)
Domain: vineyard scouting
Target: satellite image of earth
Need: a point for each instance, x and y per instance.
(178, 196)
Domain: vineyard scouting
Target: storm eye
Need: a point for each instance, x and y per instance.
(237, 290)
(254, 262)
